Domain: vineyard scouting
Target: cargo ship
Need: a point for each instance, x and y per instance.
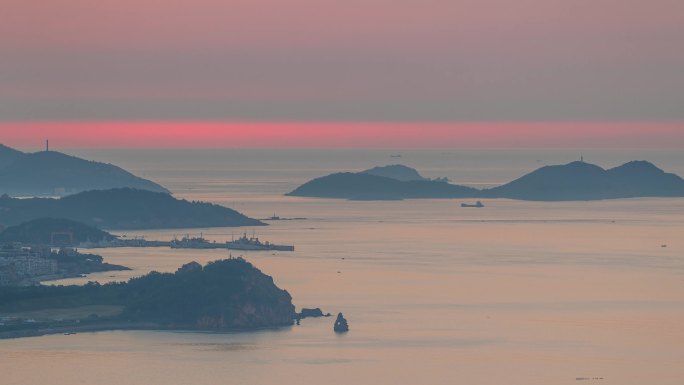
(478, 204)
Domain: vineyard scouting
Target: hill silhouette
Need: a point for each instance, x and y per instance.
(123, 208)
(8, 155)
(585, 181)
(396, 171)
(362, 186)
(229, 294)
(39, 231)
(52, 173)
(569, 182)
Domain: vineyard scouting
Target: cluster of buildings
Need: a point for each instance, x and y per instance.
(20, 264)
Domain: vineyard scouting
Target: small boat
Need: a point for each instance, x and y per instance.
(478, 204)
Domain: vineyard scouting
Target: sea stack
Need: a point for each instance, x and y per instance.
(341, 325)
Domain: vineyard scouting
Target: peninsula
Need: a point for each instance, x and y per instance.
(124, 208)
(53, 232)
(52, 173)
(224, 295)
(570, 182)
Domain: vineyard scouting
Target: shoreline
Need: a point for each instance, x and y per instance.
(77, 329)
(113, 326)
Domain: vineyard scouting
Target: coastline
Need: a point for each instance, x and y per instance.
(78, 329)
(47, 279)
(114, 326)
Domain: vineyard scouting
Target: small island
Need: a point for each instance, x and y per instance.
(224, 295)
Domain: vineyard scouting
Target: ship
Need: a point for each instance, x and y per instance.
(478, 204)
(279, 218)
(242, 243)
(253, 243)
(188, 242)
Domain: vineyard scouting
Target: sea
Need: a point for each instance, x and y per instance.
(516, 292)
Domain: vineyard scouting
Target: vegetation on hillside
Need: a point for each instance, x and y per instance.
(225, 294)
(124, 208)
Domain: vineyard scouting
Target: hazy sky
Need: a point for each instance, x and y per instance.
(370, 60)
(32, 135)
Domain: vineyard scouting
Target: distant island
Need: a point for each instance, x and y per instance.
(363, 186)
(224, 295)
(584, 181)
(123, 208)
(52, 173)
(400, 172)
(570, 182)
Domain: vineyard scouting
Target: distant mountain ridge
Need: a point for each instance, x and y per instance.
(584, 181)
(52, 173)
(123, 208)
(569, 182)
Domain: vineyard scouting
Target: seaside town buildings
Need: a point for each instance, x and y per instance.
(19, 263)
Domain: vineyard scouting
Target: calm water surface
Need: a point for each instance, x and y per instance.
(514, 293)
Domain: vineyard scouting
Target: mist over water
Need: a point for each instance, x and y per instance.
(513, 293)
(182, 169)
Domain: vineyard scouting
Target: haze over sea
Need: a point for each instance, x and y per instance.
(513, 293)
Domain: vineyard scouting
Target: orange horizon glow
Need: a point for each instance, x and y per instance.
(139, 134)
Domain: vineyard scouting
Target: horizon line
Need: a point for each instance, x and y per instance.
(325, 135)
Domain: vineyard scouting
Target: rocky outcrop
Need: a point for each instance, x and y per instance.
(311, 313)
(341, 325)
(189, 268)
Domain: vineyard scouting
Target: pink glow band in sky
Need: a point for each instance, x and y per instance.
(340, 135)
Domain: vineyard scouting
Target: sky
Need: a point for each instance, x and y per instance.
(146, 134)
(576, 65)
